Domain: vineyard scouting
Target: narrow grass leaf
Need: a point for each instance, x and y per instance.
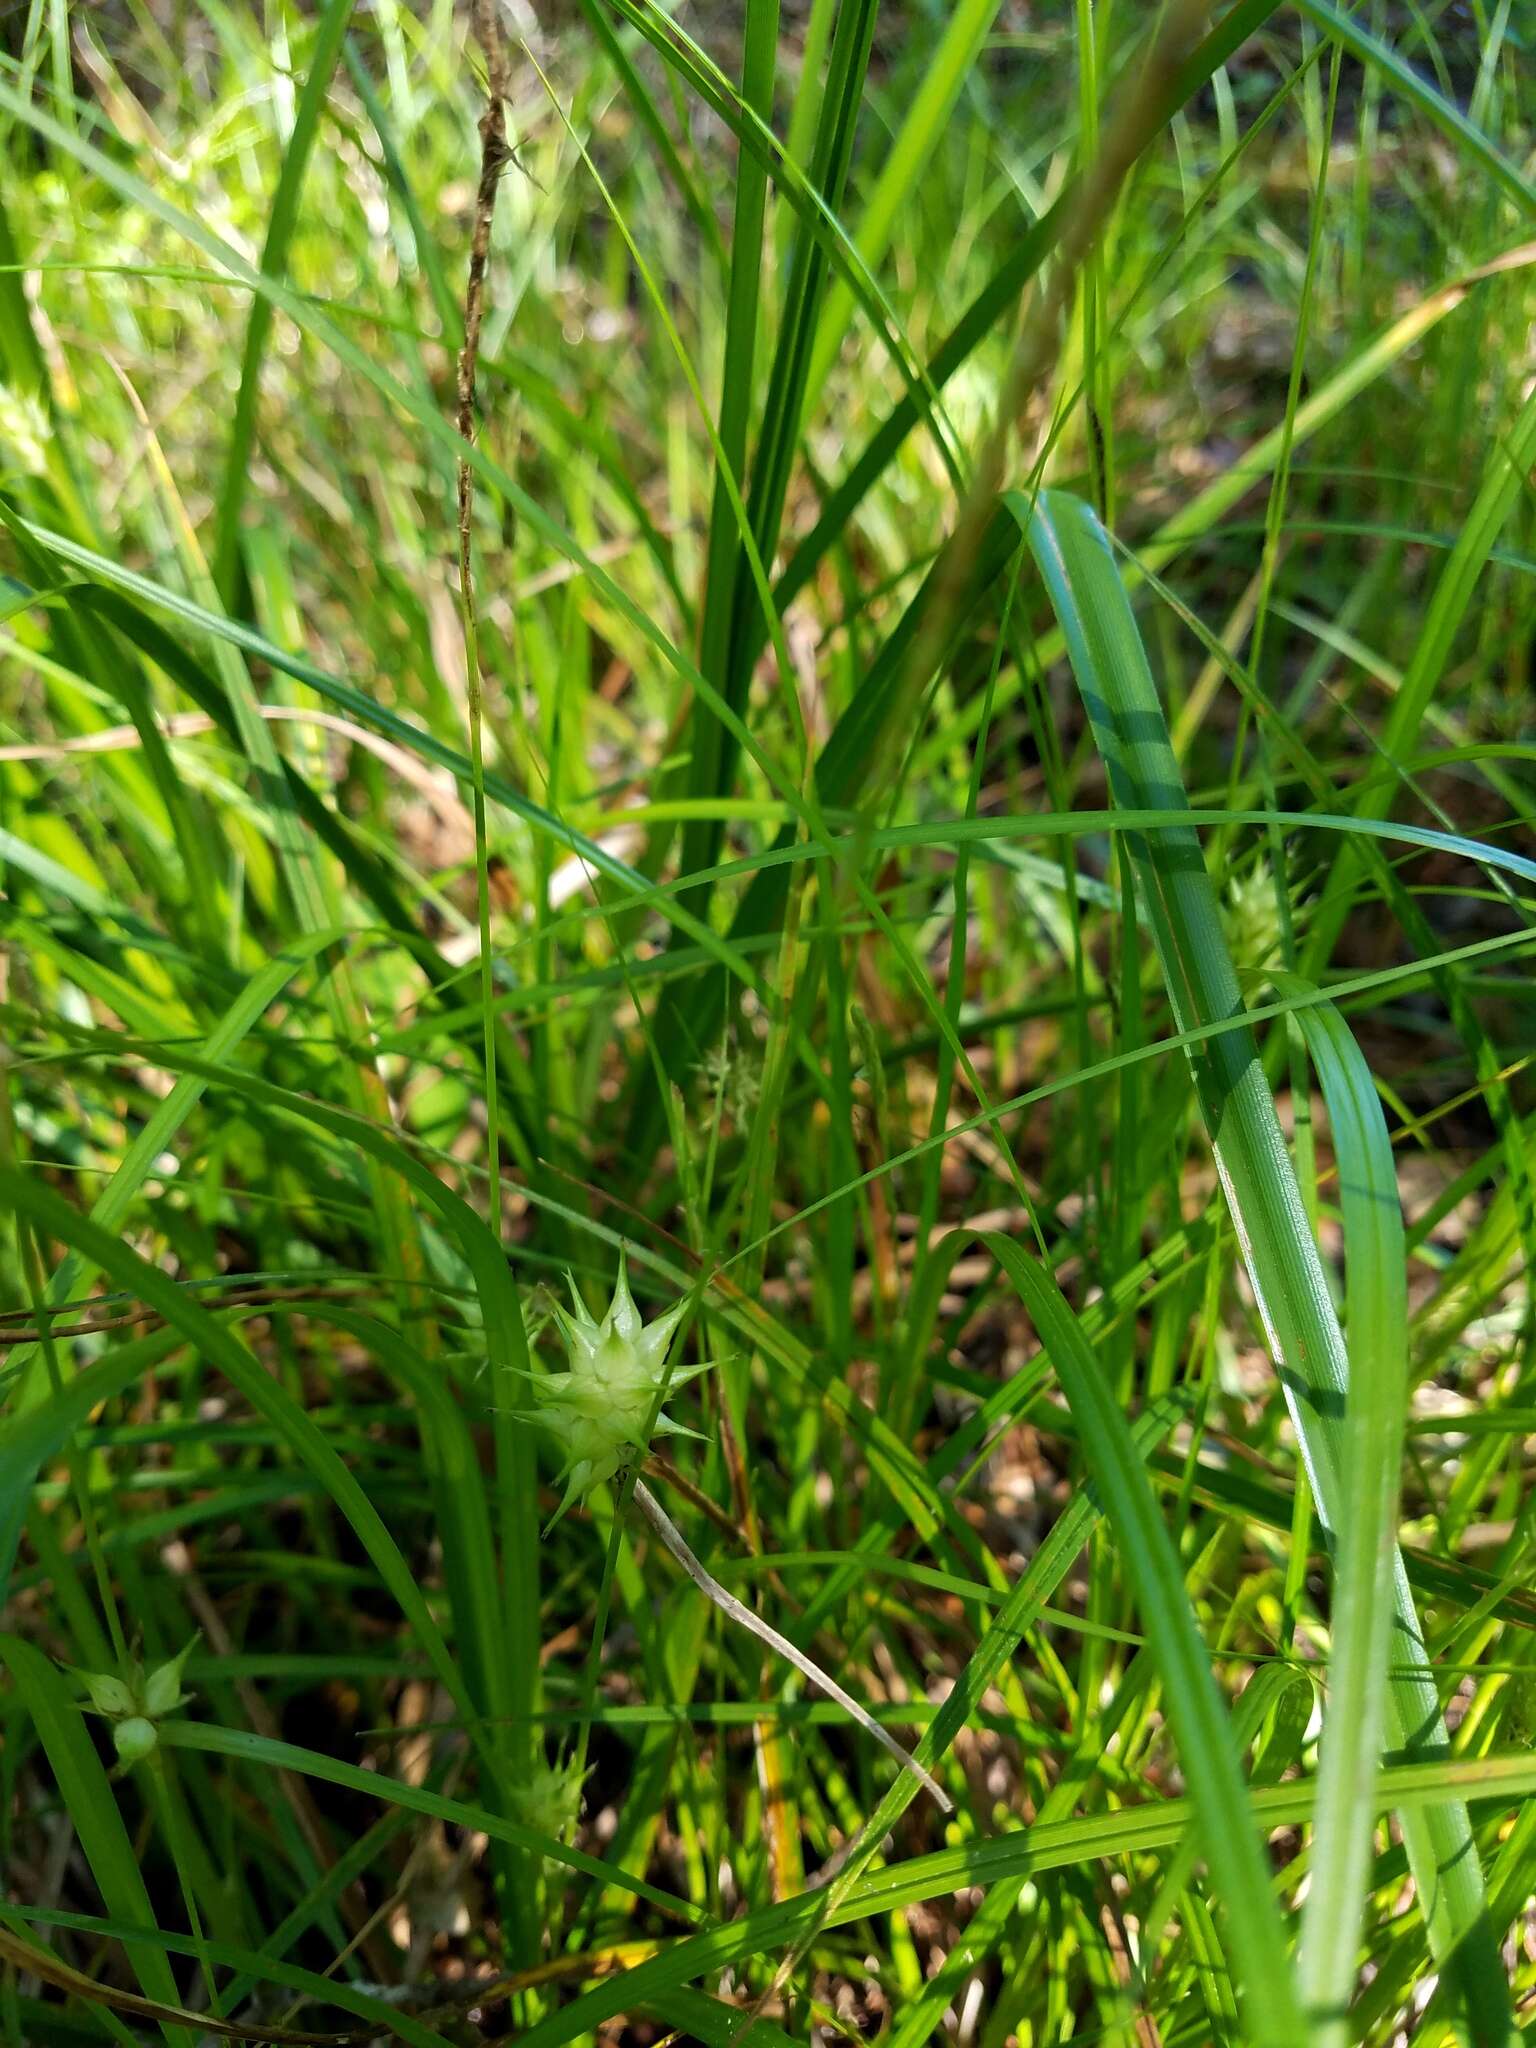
(1376, 1325)
(1345, 26)
(92, 1806)
(330, 32)
(1126, 1831)
(1110, 666)
(1207, 1749)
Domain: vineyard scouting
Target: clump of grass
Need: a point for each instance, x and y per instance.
(866, 675)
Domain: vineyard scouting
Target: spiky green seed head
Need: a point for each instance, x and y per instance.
(601, 1409)
(550, 1802)
(1252, 917)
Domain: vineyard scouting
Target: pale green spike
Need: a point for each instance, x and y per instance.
(655, 1339)
(622, 1315)
(665, 1426)
(573, 1491)
(682, 1374)
(109, 1695)
(162, 1688)
(583, 1313)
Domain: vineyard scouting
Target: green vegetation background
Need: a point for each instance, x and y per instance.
(972, 815)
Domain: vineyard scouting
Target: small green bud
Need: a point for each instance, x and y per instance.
(134, 1704)
(731, 1074)
(162, 1688)
(135, 1738)
(109, 1695)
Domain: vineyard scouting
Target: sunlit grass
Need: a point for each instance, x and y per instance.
(970, 820)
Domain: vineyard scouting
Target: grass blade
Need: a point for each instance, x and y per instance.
(374, 2012)
(1207, 1749)
(1504, 480)
(1503, 1781)
(1371, 50)
(330, 34)
(92, 1806)
(1110, 666)
(51, 1214)
(943, 78)
(1376, 1321)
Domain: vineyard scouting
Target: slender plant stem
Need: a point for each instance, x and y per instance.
(734, 1610)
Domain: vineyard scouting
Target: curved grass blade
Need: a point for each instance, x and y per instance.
(241, 1744)
(1024, 1606)
(377, 2016)
(944, 74)
(1259, 1182)
(28, 1441)
(1207, 1750)
(501, 1310)
(463, 1514)
(504, 1336)
(22, 1956)
(1347, 29)
(840, 766)
(1127, 1831)
(159, 1130)
(1505, 478)
(324, 55)
(435, 430)
(1376, 1323)
(504, 1627)
(50, 1213)
(997, 298)
(1202, 513)
(154, 1137)
(759, 54)
(810, 194)
(92, 1807)
(114, 578)
(712, 769)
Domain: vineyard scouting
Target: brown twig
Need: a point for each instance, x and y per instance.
(495, 154)
(263, 1297)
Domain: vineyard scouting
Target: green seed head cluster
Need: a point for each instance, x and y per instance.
(1253, 918)
(606, 1408)
(135, 1704)
(550, 1802)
